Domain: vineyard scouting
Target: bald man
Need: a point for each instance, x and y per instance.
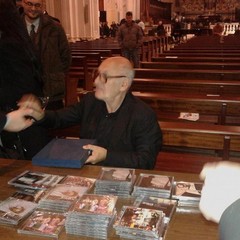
(126, 129)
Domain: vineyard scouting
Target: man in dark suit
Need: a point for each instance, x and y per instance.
(125, 128)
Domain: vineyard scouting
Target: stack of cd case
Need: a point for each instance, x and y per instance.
(187, 193)
(168, 206)
(92, 216)
(140, 223)
(79, 181)
(13, 211)
(43, 223)
(61, 197)
(35, 180)
(115, 181)
(153, 185)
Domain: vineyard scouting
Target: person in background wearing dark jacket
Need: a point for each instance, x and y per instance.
(52, 48)
(220, 197)
(160, 29)
(130, 39)
(19, 75)
(125, 128)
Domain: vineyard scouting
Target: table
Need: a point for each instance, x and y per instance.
(191, 226)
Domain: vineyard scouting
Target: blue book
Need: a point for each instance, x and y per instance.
(63, 153)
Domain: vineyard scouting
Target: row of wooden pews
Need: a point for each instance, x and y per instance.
(200, 77)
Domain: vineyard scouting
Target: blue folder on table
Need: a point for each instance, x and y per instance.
(63, 153)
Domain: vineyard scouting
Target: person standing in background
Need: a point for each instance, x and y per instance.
(19, 6)
(142, 25)
(130, 39)
(160, 29)
(52, 48)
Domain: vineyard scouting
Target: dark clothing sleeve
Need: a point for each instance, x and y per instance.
(131, 135)
(229, 223)
(3, 120)
(17, 76)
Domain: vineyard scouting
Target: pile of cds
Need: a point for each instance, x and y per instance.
(140, 223)
(35, 180)
(13, 210)
(28, 194)
(92, 215)
(115, 181)
(79, 181)
(153, 185)
(61, 197)
(168, 206)
(46, 224)
(187, 193)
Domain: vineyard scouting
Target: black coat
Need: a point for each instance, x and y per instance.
(132, 135)
(18, 73)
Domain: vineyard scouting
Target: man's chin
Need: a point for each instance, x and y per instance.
(33, 17)
(98, 95)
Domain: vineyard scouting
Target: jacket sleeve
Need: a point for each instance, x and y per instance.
(64, 50)
(16, 74)
(3, 120)
(229, 222)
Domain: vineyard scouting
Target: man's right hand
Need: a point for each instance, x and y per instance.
(32, 102)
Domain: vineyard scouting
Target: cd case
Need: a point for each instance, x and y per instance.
(61, 152)
(35, 180)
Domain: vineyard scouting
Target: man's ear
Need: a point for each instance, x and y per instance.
(125, 84)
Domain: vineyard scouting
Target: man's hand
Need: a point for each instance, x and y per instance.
(18, 120)
(32, 102)
(221, 188)
(98, 154)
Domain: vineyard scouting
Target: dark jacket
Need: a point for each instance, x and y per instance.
(55, 56)
(133, 137)
(130, 36)
(18, 73)
(3, 120)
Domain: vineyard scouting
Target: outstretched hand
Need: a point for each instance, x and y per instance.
(220, 190)
(19, 120)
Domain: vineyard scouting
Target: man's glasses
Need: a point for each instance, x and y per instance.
(103, 77)
(30, 4)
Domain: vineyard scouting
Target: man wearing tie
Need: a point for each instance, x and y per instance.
(52, 48)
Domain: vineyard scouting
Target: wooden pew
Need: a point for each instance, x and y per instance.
(222, 110)
(73, 78)
(196, 59)
(218, 54)
(99, 44)
(93, 58)
(187, 74)
(102, 52)
(194, 86)
(191, 65)
(190, 50)
(212, 42)
(187, 146)
(203, 136)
